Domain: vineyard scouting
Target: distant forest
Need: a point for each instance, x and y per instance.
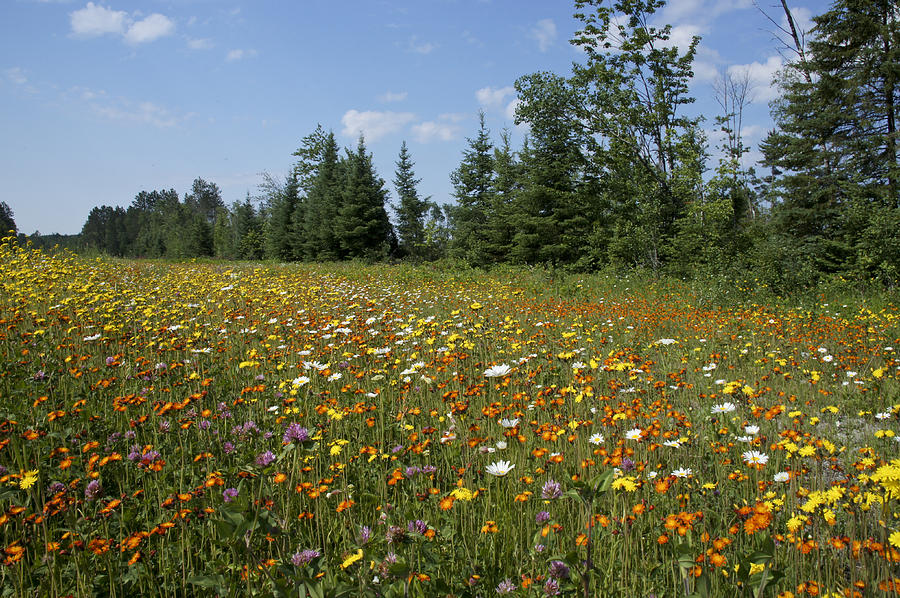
(612, 175)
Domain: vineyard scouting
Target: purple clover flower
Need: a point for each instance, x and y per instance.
(295, 433)
(264, 459)
(559, 570)
(506, 586)
(304, 557)
(551, 490)
(230, 494)
(417, 527)
(542, 517)
(93, 490)
(365, 534)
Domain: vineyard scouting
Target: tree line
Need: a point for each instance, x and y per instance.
(613, 173)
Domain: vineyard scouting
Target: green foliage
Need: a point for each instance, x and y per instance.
(411, 209)
(7, 222)
(473, 185)
(362, 226)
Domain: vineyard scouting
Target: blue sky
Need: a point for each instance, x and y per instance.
(100, 100)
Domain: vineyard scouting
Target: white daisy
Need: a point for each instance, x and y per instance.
(727, 407)
(781, 476)
(499, 468)
(596, 439)
(497, 371)
(683, 472)
(755, 458)
(633, 434)
(509, 423)
(752, 430)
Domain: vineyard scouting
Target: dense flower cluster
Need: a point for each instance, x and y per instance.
(437, 432)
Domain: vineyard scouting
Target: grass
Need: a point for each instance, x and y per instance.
(327, 430)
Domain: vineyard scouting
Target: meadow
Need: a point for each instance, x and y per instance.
(181, 429)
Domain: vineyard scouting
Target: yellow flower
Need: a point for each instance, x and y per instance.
(794, 523)
(627, 483)
(28, 480)
(462, 494)
(894, 539)
(352, 559)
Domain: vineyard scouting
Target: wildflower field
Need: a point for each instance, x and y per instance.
(212, 429)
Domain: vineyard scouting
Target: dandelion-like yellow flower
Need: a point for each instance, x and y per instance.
(627, 484)
(28, 479)
(462, 494)
(352, 559)
(894, 539)
(889, 478)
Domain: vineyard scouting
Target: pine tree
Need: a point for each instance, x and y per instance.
(410, 209)
(553, 218)
(501, 216)
(316, 217)
(7, 222)
(281, 237)
(835, 148)
(473, 189)
(363, 228)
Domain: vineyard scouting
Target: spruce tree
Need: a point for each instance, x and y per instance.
(363, 228)
(834, 147)
(473, 189)
(553, 218)
(410, 209)
(316, 217)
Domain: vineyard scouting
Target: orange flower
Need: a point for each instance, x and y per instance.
(489, 527)
(345, 504)
(446, 503)
(280, 477)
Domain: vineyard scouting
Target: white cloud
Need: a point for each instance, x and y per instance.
(511, 109)
(141, 113)
(151, 28)
(421, 47)
(373, 124)
(239, 54)
(681, 37)
(94, 20)
(492, 97)
(545, 33)
(390, 96)
(200, 44)
(761, 75)
(16, 75)
(677, 10)
(430, 130)
(802, 19)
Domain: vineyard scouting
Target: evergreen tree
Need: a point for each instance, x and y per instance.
(410, 208)
(246, 231)
(316, 217)
(501, 216)
(835, 148)
(553, 216)
(205, 198)
(363, 228)
(473, 189)
(281, 236)
(7, 222)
